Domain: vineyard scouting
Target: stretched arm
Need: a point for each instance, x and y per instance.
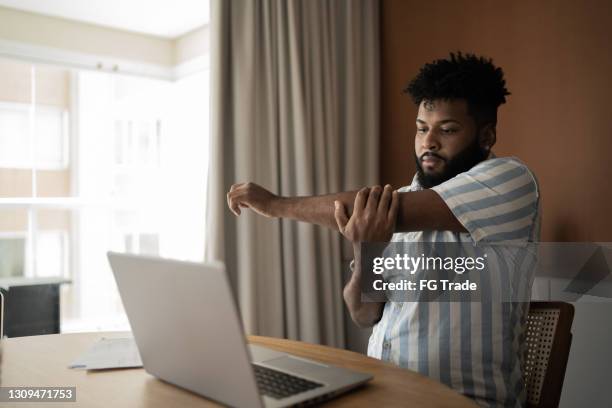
(418, 211)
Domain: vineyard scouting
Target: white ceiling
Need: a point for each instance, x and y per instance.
(162, 18)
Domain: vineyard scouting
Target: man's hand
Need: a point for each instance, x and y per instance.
(373, 218)
(253, 196)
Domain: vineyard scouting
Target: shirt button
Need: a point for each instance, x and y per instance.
(386, 345)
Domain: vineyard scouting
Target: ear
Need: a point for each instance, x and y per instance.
(487, 136)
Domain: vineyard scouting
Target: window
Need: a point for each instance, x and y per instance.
(50, 128)
(92, 162)
(12, 254)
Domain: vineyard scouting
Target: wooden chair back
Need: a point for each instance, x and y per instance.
(548, 338)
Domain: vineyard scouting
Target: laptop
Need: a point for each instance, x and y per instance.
(188, 332)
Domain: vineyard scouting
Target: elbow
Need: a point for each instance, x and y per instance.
(365, 317)
(363, 323)
(365, 314)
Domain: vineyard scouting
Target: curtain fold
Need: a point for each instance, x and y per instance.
(295, 108)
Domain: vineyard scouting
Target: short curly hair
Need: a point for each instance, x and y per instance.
(460, 76)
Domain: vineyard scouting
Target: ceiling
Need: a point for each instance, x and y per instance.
(161, 18)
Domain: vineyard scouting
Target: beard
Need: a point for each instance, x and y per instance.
(460, 163)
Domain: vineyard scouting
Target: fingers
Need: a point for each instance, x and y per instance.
(385, 199)
(233, 198)
(360, 201)
(252, 196)
(392, 215)
(373, 197)
(340, 215)
(231, 204)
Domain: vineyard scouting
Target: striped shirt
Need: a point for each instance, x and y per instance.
(474, 347)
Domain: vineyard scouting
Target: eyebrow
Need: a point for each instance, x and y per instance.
(441, 122)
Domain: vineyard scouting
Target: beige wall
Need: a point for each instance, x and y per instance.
(69, 35)
(52, 83)
(50, 183)
(13, 220)
(555, 54)
(15, 183)
(16, 220)
(192, 45)
(52, 86)
(54, 220)
(61, 34)
(15, 78)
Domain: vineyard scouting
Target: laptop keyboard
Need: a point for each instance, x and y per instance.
(278, 385)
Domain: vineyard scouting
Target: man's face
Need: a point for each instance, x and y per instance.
(446, 141)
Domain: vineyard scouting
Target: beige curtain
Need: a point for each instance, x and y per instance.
(295, 109)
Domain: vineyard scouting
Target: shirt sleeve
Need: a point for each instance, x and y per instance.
(495, 201)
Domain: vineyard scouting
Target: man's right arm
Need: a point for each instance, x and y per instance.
(372, 220)
(364, 314)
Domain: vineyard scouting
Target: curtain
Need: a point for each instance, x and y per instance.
(295, 108)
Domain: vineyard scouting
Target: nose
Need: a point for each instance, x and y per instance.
(430, 141)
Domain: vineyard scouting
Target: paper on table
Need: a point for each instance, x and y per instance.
(109, 353)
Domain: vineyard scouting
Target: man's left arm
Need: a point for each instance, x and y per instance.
(417, 211)
(425, 210)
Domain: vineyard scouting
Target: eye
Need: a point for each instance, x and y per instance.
(421, 130)
(447, 131)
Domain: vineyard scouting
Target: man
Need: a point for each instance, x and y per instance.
(461, 193)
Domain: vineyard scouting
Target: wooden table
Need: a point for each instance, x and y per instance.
(43, 360)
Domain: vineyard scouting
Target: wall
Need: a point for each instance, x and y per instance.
(58, 33)
(40, 38)
(557, 65)
(192, 45)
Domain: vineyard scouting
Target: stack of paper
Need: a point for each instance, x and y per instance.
(109, 353)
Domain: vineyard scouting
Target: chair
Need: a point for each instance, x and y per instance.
(548, 340)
